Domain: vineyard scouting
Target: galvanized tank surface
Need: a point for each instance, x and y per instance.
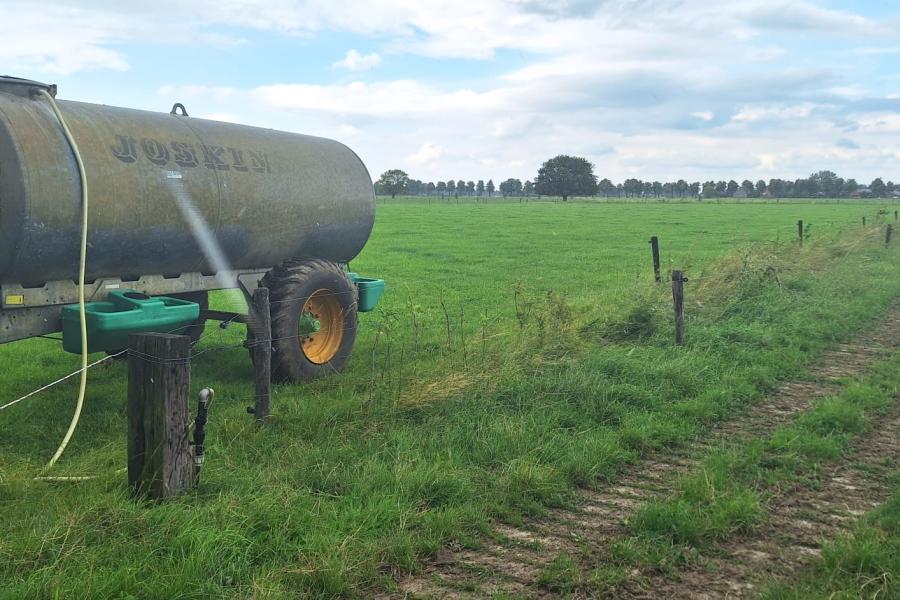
(266, 195)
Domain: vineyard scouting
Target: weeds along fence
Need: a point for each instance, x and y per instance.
(415, 353)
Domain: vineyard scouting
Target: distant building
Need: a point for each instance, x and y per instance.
(740, 193)
(862, 192)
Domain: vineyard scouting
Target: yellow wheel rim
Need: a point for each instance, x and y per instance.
(321, 346)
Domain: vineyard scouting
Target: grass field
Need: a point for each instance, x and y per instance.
(523, 349)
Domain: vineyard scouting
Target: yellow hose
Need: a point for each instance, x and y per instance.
(81, 269)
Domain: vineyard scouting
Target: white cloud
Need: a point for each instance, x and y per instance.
(768, 162)
(878, 123)
(82, 32)
(59, 41)
(850, 92)
(641, 88)
(354, 61)
(780, 113)
(877, 50)
(427, 154)
(805, 16)
(345, 130)
(400, 98)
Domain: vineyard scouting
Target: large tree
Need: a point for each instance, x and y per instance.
(479, 187)
(760, 188)
(528, 188)
(393, 182)
(732, 187)
(606, 187)
(566, 176)
(777, 187)
(632, 187)
(824, 181)
(511, 187)
(747, 185)
(878, 188)
(490, 187)
(694, 188)
(721, 188)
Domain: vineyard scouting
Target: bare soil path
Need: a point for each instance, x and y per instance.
(801, 520)
(509, 564)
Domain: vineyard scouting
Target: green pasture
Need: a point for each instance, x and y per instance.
(522, 349)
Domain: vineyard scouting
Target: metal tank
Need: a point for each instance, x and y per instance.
(266, 196)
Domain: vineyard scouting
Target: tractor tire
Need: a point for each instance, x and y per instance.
(321, 290)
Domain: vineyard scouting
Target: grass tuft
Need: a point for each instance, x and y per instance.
(561, 575)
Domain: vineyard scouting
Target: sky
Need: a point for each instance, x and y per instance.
(459, 89)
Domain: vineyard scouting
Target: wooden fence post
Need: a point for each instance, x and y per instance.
(864, 220)
(678, 280)
(160, 462)
(654, 247)
(887, 235)
(800, 231)
(259, 340)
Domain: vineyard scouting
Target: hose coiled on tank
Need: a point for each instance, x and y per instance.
(82, 261)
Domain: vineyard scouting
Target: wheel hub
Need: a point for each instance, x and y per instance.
(321, 326)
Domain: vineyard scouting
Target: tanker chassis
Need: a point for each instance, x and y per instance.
(180, 206)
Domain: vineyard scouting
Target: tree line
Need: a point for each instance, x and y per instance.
(395, 182)
(567, 176)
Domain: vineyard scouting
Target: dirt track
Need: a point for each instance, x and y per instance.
(509, 564)
(801, 520)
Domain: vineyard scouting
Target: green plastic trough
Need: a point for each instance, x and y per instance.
(125, 312)
(369, 291)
